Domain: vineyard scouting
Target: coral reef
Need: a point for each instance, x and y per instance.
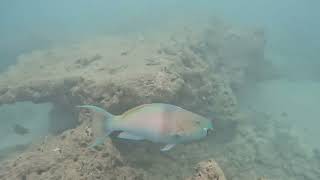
(199, 70)
(269, 150)
(118, 73)
(115, 73)
(208, 170)
(67, 157)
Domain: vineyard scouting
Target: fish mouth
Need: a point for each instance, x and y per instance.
(208, 131)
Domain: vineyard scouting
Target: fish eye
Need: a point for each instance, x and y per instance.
(208, 131)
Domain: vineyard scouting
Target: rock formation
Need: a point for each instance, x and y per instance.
(197, 70)
(208, 170)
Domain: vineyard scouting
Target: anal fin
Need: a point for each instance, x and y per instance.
(167, 147)
(125, 135)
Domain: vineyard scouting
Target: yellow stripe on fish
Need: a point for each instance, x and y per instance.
(123, 116)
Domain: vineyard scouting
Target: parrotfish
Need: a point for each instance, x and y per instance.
(156, 122)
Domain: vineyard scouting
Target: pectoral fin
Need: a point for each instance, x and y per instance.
(125, 135)
(168, 147)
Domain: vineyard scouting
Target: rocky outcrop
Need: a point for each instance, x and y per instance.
(208, 170)
(67, 156)
(197, 70)
(193, 69)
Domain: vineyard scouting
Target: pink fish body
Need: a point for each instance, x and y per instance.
(157, 122)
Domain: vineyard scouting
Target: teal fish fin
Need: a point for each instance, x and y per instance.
(168, 147)
(125, 135)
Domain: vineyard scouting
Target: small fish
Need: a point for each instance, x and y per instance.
(18, 129)
(156, 122)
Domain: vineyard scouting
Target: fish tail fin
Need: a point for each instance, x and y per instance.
(101, 125)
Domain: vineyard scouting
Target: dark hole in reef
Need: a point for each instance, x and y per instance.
(62, 118)
(24, 177)
(21, 124)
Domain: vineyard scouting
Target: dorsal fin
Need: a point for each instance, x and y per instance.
(133, 110)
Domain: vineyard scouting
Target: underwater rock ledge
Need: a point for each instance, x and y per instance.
(195, 70)
(190, 70)
(67, 157)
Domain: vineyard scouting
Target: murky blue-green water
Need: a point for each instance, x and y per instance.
(289, 101)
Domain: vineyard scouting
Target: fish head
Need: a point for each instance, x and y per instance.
(204, 125)
(192, 128)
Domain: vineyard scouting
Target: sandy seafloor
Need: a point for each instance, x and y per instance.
(299, 100)
(268, 138)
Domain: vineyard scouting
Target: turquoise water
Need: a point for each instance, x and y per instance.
(290, 100)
